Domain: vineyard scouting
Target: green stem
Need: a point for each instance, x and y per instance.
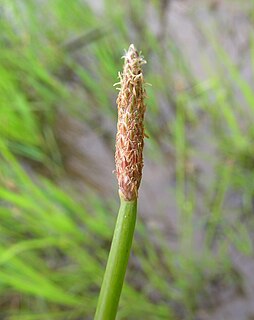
(117, 261)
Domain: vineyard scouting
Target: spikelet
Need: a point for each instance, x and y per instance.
(130, 125)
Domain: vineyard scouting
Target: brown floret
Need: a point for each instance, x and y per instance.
(130, 126)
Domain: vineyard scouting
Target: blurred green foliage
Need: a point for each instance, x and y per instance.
(59, 55)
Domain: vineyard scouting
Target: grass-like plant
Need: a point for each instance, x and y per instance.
(129, 164)
(52, 240)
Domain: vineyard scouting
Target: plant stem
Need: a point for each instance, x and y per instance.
(117, 261)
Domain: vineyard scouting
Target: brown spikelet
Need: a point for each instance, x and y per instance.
(130, 125)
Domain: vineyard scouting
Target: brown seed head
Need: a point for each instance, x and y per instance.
(130, 125)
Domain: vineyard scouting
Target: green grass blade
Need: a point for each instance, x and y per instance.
(117, 261)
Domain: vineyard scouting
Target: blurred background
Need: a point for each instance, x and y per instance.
(192, 255)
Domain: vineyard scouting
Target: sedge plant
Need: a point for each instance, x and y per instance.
(129, 165)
